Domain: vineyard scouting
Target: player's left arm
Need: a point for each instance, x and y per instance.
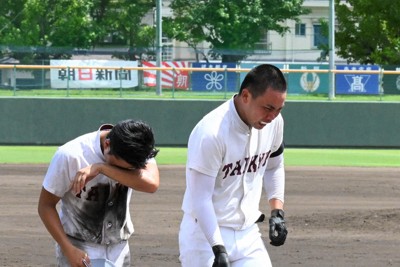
(146, 179)
(274, 179)
(274, 185)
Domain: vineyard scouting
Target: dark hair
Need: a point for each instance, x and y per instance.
(132, 141)
(263, 77)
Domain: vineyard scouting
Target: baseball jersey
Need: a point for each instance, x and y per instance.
(100, 212)
(221, 145)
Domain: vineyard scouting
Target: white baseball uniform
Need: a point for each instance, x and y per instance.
(236, 159)
(97, 219)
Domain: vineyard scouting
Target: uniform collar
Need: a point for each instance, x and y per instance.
(237, 121)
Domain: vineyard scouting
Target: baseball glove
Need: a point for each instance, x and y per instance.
(221, 257)
(277, 227)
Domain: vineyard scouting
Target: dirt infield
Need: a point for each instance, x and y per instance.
(336, 217)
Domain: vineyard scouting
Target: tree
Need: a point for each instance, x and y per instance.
(43, 29)
(122, 19)
(368, 31)
(231, 27)
(46, 29)
(11, 14)
(324, 46)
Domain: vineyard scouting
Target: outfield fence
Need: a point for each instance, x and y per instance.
(107, 78)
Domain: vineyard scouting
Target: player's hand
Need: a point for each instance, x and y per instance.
(277, 228)
(221, 256)
(78, 258)
(83, 176)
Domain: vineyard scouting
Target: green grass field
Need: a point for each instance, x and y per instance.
(177, 156)
(150, 93)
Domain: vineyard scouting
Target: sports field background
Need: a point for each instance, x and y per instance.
(181, 94)
(177, 156)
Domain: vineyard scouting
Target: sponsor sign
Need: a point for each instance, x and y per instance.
(357, 83)
(93, 74)
(391, 82)
(309, 82)
(178, 79)
(252, 65)
(214, 81)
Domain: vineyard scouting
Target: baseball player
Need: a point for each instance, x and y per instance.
(233, 153)
(93, 177)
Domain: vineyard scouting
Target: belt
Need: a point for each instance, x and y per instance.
(261, 218)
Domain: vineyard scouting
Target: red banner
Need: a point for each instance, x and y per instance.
(174, 78)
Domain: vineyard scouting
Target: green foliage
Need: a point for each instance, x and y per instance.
(324, 47)
(368, 31)
(231, 27)
(123, 20)
(10, 22)
(44, 29)
(56, 25)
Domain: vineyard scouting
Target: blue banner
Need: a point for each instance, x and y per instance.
(214, 80)
(357, 83)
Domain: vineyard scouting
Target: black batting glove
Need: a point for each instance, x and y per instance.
(221, 257)
(277, 227)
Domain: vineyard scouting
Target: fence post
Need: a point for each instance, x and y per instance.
(225, 82)
(68, 77)
(15, 80)
(381, 92)
(173, 81)
(120, 82)
(43, 75)
(332, 86)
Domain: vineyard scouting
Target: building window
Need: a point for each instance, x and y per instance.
(319, 39)
(300, 29)
(167, 49)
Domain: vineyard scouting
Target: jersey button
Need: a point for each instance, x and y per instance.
(110, 203)
(109, 225)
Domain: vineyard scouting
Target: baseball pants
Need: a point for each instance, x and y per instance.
(245, 247)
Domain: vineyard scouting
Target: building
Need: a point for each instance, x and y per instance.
(300, 44)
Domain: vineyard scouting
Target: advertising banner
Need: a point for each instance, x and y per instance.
(391, 82)
(214, 81)
(252, 65)
(308, 82)
(357, 83)
(93, 74)
(178, 79)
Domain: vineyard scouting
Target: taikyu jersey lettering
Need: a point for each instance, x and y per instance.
(245, 165)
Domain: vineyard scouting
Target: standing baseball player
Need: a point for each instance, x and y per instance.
(93, 177)
(233, 153)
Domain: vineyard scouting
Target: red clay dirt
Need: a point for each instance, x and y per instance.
(335, 217)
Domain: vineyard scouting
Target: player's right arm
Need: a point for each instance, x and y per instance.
(49, 215)
(201, 187)
(146, 179)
